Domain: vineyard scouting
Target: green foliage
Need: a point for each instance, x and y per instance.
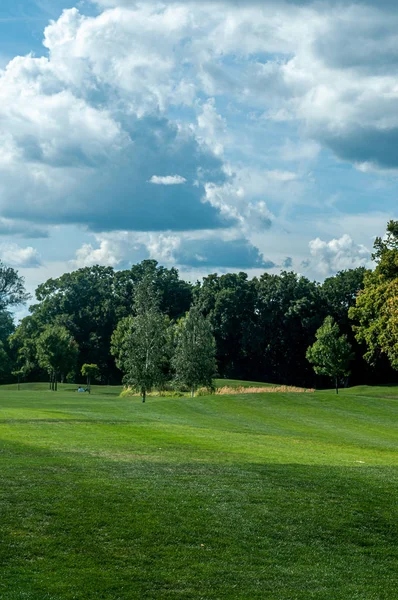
(340, 292)
(194, 359)
(12, 288)
(141, 344)
(57, 352)
(331, 354)
(91, 371)
(91, 301)
(229, 301)
(375, 312)
(289, 310)
(23, 346)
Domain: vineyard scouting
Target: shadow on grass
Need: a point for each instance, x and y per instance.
(82, 527)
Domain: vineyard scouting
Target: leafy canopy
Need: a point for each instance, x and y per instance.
(331, 354)
(375, 311)
(194, 359)
(141, 343)
(57, 351)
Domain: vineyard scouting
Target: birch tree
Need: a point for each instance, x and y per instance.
(194, 360)
(140, 343)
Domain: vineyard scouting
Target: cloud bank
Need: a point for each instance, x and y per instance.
(153, 117)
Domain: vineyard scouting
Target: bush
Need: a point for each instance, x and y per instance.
(205, 391)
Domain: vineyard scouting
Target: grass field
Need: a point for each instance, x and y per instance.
(282, 496)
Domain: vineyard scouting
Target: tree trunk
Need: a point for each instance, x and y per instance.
(89, 384)
(19, 379)
(337, 386)
(143, 395)
(193, 392)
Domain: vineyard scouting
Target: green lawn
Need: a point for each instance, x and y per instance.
(282, 496)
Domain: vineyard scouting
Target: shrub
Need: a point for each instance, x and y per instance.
(204, 391)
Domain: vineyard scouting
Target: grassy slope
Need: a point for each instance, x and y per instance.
(257, 496)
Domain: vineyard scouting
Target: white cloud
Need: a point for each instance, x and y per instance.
(201, 92)
(337, 255)
(117, 249)
(167, 180)
(15, 256)
(212, 127)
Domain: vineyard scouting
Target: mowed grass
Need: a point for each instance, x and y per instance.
(285, 496)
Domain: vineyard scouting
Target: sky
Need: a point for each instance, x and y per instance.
(213, 136)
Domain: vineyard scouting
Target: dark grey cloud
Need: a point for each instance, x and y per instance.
(366, 144)
(234, 254)
(118, 194)
(366, 45)
(22, 229)
(287, 263)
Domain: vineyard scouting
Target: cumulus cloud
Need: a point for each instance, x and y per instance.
(167, 180)
(204, 251)
(337, 255)
(79, 130)
(141, 119)
(15, 256)
(117, 252)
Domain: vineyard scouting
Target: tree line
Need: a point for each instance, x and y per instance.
(262, 327)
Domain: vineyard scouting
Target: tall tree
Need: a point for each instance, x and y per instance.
(194, 360)
(339, 294)
(140, 343)
(374, 314)
(229, 302)
(289, 311)
(175, 295)
(57, 352)
(12, 288)
(331, 354)
(84, 302)
(23, 347)
(91, 301)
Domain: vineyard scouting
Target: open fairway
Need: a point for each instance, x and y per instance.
(285, 496)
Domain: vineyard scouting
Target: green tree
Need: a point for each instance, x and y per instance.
(229, 301)
(140, 343)
(57, 352)
(90, 371)
(23, 346)
(91, 301)
(374, 314)
(331, 354)
(86, 304)
(12, 288)
(289, 311)
(194, 360)
(340, 292)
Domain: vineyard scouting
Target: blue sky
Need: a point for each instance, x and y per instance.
(212, 136)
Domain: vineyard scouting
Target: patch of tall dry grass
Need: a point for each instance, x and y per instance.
(227, 391)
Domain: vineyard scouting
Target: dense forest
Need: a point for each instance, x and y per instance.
(262, 327)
